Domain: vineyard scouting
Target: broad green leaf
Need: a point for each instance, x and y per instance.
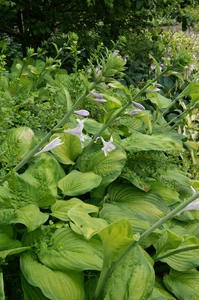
(78, 183)
(160, 293)
(112, 102)
(176, 176)
(5, 253)
(84, 223)
(116, 239)
(7, 242)
(67, 250)
(159, 100)
(169, 195)
(30, 216)
(133, 279)
(178, 249)
(31, 292)
(61, 207)
(5, 198)
(184, 285)
(31, 238)
(17, 144)
(145, 206)
(144, 142)
(112, 213)
(53, 284)
(46, 172)
(70, 150)
(108, 167)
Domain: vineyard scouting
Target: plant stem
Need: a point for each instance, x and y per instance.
(156, 258)
(158, 224)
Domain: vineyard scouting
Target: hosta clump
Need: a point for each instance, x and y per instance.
(95, 207)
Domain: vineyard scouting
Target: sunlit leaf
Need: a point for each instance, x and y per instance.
(78, 183)
(61, 207)
(85, 224)
(70, 150)
(108, 167)
(133, 279)
(184, 285)
(67, 250)
(116, 239)
(53, 284)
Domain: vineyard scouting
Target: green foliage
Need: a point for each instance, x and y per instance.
(124, 163)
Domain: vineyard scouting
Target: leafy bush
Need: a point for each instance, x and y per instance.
(106, 213)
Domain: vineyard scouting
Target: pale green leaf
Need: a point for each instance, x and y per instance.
(85, 224)
(30, 216)
(159, 100)
(67, 250)
(7, 242)
(133, 279)
(108, 167)
(55, 285)
(169, 195)
(46, 172)
(78, 183)
(113, 213)
(144, 142)
(5, 253)
(61, 207)
(116, 239)
(184, 285)
(31, 292)
(70, 150)
(17, 144)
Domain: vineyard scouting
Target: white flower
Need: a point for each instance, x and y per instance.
(191, 206)
(53, 144)
(108, 146)
(82, 112)
(77, 130)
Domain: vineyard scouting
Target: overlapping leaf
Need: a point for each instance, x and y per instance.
(53, 284)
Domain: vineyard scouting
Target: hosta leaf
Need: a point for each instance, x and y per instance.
(160, 293)
(116, 239)
(31, 292)
(53, 284)
(178, 249)
(85, 224)
(169, 195)
(5, 253)
(8, 243)
(108, 167)
(145, 206)
(30, 216)
(70, 150)
(133, 279)
(78, 183)
(184, 285)
(46, 172)
(159, 100)
(67, 250)
(61, 207)
(17, 144)
(112, 213)
(159, 142)
(93, 127)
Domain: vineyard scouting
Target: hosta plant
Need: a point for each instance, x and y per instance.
(102, 207)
